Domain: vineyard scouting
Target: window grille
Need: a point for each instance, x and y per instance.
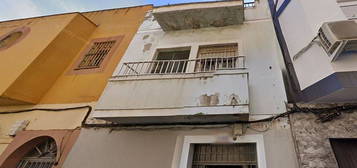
(96, 55)
(242, 155)
(41, 156)
(218, 51)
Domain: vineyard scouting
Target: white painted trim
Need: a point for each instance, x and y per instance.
(190, 140)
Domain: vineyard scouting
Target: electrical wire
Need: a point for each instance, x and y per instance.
(45, 109)
(308, 46)
(324, 115)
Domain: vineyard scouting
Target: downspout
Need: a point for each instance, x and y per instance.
(293, 88)
(282, 8)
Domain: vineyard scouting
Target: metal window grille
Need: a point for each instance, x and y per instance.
(96, 55)
(242, 155)
(219, 51)
(41, 156)
(36, 163)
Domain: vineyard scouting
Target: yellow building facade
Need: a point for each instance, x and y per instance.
(52, 68)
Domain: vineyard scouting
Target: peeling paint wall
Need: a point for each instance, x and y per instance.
(256, 41)
(161, 148)
(312, 138)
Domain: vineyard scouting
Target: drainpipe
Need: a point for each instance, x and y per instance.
(293, 88)
(282, 8)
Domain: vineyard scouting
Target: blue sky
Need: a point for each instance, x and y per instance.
(15, 9)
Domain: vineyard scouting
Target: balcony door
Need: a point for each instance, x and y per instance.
(171, 62)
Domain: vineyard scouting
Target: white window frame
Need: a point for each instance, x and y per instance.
(189, 141)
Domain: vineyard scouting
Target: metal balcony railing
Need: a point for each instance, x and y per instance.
(198, 65)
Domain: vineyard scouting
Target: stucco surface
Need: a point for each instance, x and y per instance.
(161, 148)
(40, 120)
(312, 138)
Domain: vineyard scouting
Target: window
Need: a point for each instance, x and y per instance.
(96, 54)
(41, 156)
(13, 37)
(249, 3)
(10, 39)
(345, 152)
(240, 155)
(171, 62)
(211, 58)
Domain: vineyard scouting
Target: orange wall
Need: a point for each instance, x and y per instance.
(18, 57)
(87, 87)
(37, 69)
(42, 73)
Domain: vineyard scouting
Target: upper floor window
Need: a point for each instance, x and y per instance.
(13, 37)
(95, 56)
(10, 39)
(213, 57)
(249, 3)
(175, 61)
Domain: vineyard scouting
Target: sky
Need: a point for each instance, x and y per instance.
(16, 9)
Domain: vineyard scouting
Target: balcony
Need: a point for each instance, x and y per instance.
(207, 90)
(200, 15)
(201, 65)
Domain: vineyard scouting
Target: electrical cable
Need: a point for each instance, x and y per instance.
(324, 115)
(45, 109)
(303, 50)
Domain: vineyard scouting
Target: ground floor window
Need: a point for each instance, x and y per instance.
(238, 155)
(42, 155)
(345, 152)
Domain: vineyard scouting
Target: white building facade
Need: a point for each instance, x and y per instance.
(321, 38)
(319, 43)
(185, 94)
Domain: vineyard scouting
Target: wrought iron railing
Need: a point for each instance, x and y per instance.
(36, 163)
(198, 65)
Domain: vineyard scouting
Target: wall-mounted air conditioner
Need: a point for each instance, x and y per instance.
(338, 38)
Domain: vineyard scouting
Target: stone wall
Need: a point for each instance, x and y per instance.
(312, 137)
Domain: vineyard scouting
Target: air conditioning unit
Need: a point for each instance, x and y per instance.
(338, 38)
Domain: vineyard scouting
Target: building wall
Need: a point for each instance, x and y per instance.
(312, 137)
(256, 40)
(87, 87)
(20, 56)
(153, 148)
(25, 141)
(31, 59)
(308, 16)
(39, 76)
(158, 147)
(40, 120)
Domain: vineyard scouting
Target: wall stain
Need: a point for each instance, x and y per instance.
(147, 47)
